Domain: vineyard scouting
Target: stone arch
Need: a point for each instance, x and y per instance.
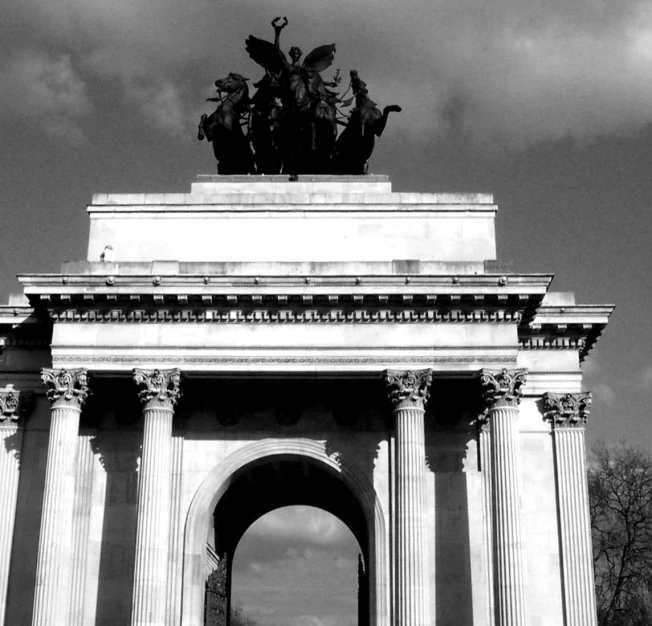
(215, 485)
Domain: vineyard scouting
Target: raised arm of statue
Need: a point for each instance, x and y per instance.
(278, 24)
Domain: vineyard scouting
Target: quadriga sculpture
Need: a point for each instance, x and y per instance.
(293, 117)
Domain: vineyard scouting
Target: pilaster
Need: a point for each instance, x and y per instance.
(15, 406)
(160, 393)
(567, 414)
(502, 391)
(68, 390)
(408, 392)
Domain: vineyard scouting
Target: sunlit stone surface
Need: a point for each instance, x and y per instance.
(337, 344)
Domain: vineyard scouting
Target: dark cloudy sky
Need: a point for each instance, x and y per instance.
(546, 104)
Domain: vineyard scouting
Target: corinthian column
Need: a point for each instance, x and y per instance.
(408, 392)
(502, 393)
(14, 408)
(567, 414)
(159, 395)
(67, 393)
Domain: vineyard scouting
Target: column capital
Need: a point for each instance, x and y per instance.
(407, 388)
(15, 405)
(66, 387)
(566, 410)
(502, 388)
(160, 389)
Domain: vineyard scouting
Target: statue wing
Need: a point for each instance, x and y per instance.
(320, 58)
(266, 54)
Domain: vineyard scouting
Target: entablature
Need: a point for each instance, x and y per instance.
(567, 327)
(261, 299)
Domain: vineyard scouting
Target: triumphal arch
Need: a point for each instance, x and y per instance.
(260, 342)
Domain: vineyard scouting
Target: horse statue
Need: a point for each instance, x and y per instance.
(308, 105)
(223, 127)
(356, 142)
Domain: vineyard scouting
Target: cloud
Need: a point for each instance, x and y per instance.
(513, 72)
(592, 380)
(646, 377)
(322, 580)
(315, 620)
(301, 524)
(45, 91)
(161, 105)
(604, 393)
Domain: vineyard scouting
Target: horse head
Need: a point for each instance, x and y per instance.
(232, 84)
(358, 86)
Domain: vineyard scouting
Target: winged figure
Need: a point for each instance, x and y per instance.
(308, 101)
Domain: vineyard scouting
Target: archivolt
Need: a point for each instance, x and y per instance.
(217, 482)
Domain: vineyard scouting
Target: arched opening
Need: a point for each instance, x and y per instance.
(261, 487)
(298, 566)
(265, 476)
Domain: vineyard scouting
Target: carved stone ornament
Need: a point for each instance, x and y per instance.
(502, 388)
(9, 405)
(408, 388)
(66, 387)
(566, 410)
(159, 388)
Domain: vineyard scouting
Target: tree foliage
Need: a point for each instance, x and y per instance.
(620, 492)
(238, 617)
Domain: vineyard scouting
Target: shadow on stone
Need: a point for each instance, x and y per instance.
(24, 553)
(115, 411)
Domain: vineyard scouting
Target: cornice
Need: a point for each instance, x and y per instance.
(198, 284)
(257, 315)
(283, 299)
(570, 327)
(11, 315)
(397, 298)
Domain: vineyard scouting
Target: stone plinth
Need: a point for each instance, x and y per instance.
(269, 219)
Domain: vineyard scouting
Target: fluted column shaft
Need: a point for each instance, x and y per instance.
(154, 488)
(567, 414)
(175, 557)
(410, 506)
(408, 392)
(502, 391)
(508, 525)
(68, 390)
(11, 437)
(80, 525)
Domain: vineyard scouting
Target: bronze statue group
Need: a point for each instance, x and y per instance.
(289, 126)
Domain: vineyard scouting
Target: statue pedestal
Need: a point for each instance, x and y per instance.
(327, 219)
